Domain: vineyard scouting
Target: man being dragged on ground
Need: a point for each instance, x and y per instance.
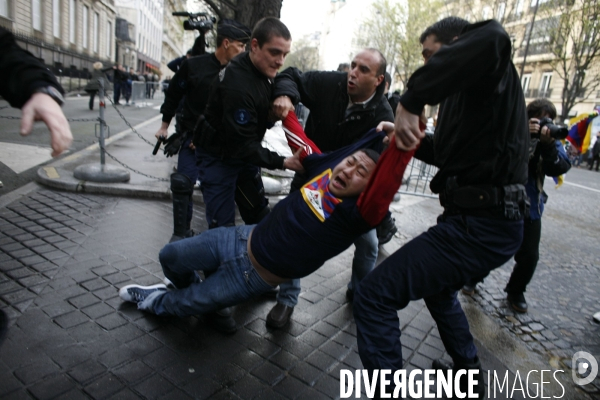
(348, 193)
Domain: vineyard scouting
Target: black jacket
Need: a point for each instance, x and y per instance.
(482, 135)
(237, 111)
(326, 96)
(21, 72)
(193, 80)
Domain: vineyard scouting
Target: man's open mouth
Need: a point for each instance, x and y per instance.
(339, 182)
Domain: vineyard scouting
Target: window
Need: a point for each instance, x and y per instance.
(36, 14)
(4, 8)
(72, 18)
(109, 39)
(56, 18)
(86, 12)
(539, 42)
(525, 80)
(95, 32)
(545, 84)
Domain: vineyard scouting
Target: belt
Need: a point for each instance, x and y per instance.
(506, 202)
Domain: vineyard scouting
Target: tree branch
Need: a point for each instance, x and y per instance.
(215, 8)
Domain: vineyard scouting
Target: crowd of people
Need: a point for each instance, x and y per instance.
(120, 81)
(349, 160)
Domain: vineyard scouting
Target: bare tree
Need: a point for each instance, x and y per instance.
(574, 41)
(248, 12)
(304, 55)
(394, 28)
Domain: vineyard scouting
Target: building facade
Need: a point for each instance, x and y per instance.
(67, 35)
(174, 37)
(529, 23)
(146, 16)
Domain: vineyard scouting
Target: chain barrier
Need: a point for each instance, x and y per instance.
(128, 124)
(132, 169)
(99, 120)
(68, 119)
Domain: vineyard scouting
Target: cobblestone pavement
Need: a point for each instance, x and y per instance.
(62, 258)
(565, 290)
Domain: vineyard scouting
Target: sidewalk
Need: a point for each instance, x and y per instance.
(64, 254)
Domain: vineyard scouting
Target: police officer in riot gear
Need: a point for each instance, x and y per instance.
(192, 83)
(191, 86)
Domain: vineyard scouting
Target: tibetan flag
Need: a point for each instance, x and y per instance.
(580, 129)
(558, 181)
(318, 197)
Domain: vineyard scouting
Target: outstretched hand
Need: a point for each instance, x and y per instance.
(294, 162)
(42, 107)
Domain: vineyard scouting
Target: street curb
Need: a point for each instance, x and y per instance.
(56, 176)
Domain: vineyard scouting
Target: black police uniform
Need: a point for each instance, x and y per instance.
(191, 83)
(230, 142)
(480, 147)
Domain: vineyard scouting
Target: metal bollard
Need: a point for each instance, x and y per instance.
(101, 111)
(103, 172)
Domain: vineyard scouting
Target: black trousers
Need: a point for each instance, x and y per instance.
(92, 96)
(526, 257)
(595, 160)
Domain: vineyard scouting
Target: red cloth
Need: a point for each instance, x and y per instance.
(296, 137)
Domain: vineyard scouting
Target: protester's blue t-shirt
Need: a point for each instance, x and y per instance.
(311, 225)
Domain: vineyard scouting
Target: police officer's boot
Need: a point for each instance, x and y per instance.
(182, 189)
(479, 387)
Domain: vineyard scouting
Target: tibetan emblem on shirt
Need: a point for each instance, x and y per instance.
(318, 197)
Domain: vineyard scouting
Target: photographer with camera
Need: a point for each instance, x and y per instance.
(547, 157)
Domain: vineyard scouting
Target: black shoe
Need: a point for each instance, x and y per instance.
(386, 230)
(468, 289)
(349, 294)
(517, 302)
(279, 316)
(222, 321)
(479, 388)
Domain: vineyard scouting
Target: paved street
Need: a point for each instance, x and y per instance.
(31, 151)
(63, 256)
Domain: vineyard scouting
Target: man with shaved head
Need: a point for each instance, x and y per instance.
(343, 106)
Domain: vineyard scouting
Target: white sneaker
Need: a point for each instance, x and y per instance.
(138, 293)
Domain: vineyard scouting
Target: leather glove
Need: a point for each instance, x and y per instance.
(172, 144)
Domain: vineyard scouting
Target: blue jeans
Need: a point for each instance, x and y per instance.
(222, 254)
(433, 266)
(365, 257)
